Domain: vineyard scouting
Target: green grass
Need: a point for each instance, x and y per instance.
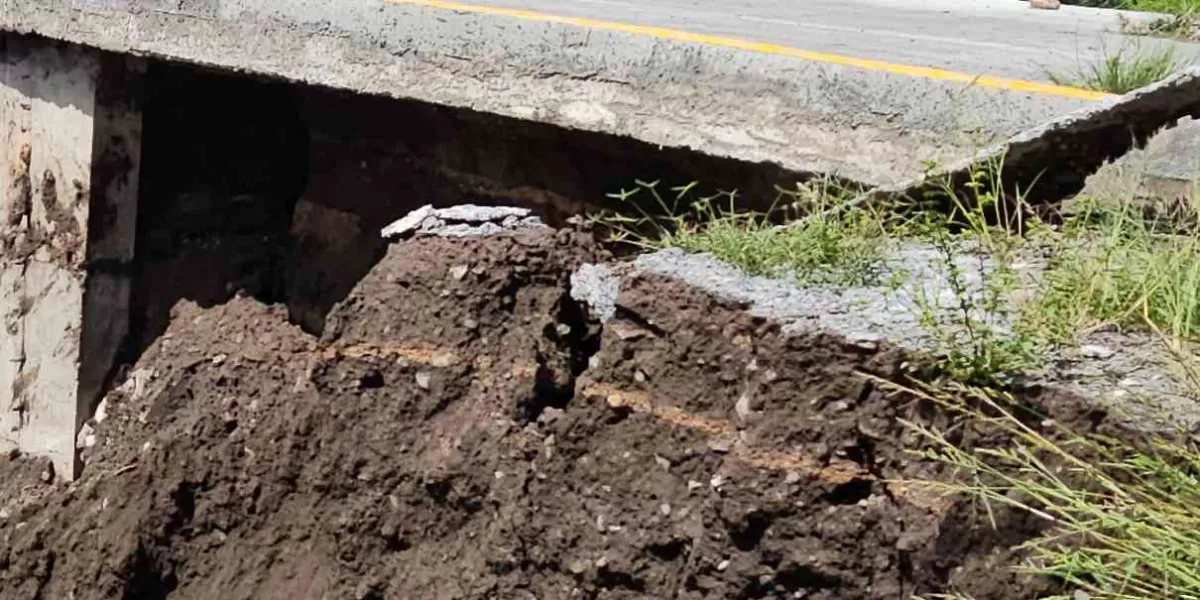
(1108, 264)
(1116, 266)
(1124, 70)
(1180, 21)
(1170, 7)
(829, 247)
(1124, 518)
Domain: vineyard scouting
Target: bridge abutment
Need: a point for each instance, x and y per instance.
(70, 136)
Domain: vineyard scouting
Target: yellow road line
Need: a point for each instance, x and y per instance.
(999, 83)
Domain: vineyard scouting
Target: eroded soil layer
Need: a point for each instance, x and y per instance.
(462, 429)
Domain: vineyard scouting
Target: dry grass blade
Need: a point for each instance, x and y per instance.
(1125, 518)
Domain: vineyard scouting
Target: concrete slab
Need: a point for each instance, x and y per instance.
(861, 118)
(1053, 161)
(63, 131)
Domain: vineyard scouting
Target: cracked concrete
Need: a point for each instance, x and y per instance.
(872, 127)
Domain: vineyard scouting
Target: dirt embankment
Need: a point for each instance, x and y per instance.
(464, 430)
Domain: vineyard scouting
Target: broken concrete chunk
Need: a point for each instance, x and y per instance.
(462, 221)
(471, 213)
(408, 223)
(597, 286)
(86, 438)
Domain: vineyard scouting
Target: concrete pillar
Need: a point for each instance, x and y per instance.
(70, 135)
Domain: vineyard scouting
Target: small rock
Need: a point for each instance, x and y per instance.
(639, 376)
(721, 566)
(550, 415)
(742, 406)
(443, 359)
(627, 332)
(423, 380)
(662, 462)
(665, 509)
(4, 514)
(1081, 595)
(458, 272)
(219, 359)
(866, 340)
(563, 330)
(719, 445)
(1096, 351)
(792, 477)
(716, 482)
(1045, 4)
(602, 562)
(694, 485)
(577, 567)
(367, 589)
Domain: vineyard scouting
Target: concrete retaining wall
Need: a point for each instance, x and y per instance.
(68, 149)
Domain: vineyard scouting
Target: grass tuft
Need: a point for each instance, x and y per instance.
(1116, 266)
(1124, 70)
(828, 247)
(1169, 7)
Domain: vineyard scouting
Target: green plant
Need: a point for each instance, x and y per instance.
(1170, 7)
(977, 334)
(827, 247)
(1124, 518)
(1124, 70)
(1117, 265)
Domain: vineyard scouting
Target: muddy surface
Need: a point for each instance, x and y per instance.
(463, 429)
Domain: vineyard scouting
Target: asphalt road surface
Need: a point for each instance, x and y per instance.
(1003, 38)
(872, 90)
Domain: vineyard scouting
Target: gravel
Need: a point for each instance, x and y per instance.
(1128, 372)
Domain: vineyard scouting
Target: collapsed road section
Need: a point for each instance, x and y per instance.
(465, 428)
(218, 378)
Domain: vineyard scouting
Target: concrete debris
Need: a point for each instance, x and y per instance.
(597, 286)
(86, 437)
(470, 213)
(464, 220)
(408, 223)
(101, 412)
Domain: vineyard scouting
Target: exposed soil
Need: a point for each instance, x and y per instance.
(462, 429)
